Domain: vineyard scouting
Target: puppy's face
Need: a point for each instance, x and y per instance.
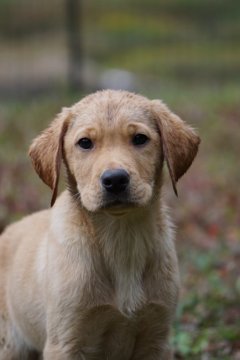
(113, 144)
(113, 150)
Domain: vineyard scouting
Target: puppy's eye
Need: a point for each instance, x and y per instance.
(139, 139)
(85, 143)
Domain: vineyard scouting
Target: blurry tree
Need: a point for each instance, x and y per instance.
(74, 30)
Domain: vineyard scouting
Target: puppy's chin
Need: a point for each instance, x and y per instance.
(114, 208)
(118, 208)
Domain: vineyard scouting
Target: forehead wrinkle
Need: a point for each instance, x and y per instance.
(120, 102)
(114, 103)
(109, 113)
(86, 117)
(113, 108)
(124, 114)
(134, 114)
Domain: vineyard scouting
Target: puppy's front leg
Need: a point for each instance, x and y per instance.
(57, 352)
(63, 333)
(152, 340)
(100, 332)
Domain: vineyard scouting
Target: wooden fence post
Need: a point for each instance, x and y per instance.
(74, 42)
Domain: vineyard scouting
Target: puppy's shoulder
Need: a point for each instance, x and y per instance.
(34, 222)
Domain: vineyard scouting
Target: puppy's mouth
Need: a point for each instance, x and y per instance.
(118, 206)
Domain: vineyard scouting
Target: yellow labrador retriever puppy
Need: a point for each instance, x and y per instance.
(96, 276)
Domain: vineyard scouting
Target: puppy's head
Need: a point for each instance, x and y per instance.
(113, 144)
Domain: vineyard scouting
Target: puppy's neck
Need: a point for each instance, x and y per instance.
(127, 243)
(125, 233)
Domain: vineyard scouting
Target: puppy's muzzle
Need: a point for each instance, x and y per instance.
(115, 181)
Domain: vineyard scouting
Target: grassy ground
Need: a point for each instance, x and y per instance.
(185, 53)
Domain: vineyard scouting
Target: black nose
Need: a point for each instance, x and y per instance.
(115, 181)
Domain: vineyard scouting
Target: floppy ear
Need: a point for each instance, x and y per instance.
(179, 141)
(46, 151)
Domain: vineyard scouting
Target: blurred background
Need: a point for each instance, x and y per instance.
(185, 52)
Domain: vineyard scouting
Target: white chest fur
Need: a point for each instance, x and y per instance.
(126, 247)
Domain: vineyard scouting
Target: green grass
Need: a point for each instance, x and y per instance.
(208, 316)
